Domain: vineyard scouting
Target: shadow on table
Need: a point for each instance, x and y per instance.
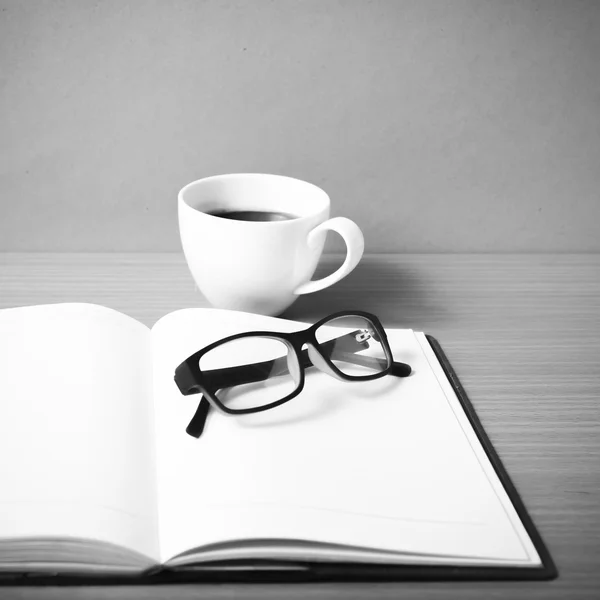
(400, 295)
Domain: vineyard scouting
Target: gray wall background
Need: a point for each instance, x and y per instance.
(438, 126)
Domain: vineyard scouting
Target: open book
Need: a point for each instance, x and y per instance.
(99, 476)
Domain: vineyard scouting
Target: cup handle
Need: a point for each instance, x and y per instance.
(355, 246)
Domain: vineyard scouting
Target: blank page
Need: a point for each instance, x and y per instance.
(76, 430)
(384, 464)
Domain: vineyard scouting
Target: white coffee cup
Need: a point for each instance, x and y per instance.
(260, 266)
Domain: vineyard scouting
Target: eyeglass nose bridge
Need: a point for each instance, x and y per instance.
(320, 363)
(293, 364)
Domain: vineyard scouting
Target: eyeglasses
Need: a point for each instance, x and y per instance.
(259, 370)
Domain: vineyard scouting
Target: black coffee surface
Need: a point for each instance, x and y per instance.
(252, 215)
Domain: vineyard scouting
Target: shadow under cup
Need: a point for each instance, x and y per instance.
(251, 264)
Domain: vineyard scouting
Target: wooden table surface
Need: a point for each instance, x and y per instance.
(522, 332)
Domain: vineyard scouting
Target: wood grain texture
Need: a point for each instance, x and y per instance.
(522, 332)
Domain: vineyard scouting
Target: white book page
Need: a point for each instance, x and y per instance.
(76, 426)
(382, 464)
(477, 448)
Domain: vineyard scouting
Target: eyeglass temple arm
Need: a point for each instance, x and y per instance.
(345, 347)
(399, 369)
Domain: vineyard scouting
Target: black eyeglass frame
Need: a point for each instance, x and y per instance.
(190, 378)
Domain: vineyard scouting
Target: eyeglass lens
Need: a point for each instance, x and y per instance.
(370, 358)
(265, 371)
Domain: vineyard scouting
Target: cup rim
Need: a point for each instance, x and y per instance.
(231, 176)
